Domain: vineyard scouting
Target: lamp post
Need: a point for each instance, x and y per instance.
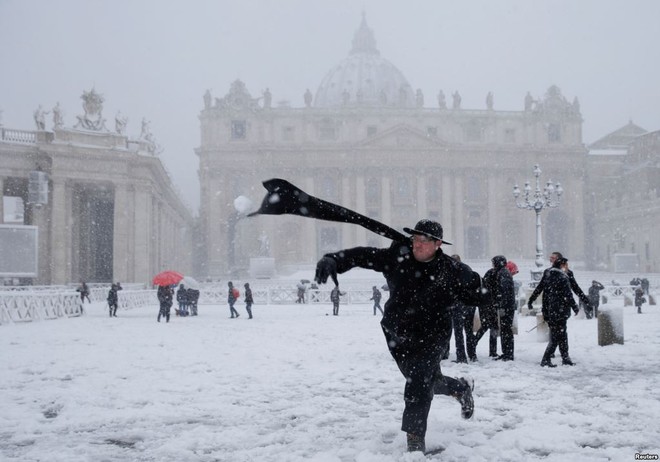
(538, 200)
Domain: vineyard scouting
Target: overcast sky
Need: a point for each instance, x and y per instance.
(155, 58)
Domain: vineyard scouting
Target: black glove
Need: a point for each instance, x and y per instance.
(326, 267)
(530, 306)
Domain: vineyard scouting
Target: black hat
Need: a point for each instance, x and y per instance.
(429, 228)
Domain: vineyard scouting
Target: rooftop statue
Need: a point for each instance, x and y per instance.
(442, 102)
(58, 116)
(93, 107)
(40, 118)
(120, 123)
(457, 100)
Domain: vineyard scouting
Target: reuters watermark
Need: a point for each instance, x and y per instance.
(639, 456)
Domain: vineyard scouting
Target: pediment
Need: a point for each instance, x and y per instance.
(402, 136)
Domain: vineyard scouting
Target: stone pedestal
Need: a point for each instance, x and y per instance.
(542, 331)
(262, 267)
(610, 326)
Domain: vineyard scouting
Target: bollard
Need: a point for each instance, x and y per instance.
(610, 326)
(542, 331)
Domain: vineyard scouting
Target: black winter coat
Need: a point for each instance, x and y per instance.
(421, 294)
(571, 281)
(557, 296)
(165, 296)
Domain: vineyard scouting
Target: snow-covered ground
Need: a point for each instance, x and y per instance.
(295, 384)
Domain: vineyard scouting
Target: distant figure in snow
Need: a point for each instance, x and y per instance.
(376, 296)
(232, 296)
(84, 292)
(594, 298)
(334, 298)
(639, 299)
(301, 292)
(165, 295)
(113, 300)
(248, 300)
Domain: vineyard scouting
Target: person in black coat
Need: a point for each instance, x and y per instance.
(571, 279)
(462, 321)
(113, 300)
(556, 308)
(639, 299)
(424, 283)
(231, 299)
(504, 302)
(193, 299)
(594, 298)
(182, 300)
(248, 299)
(376, 297)
(334, 298)
(488, 315)
(165, 295)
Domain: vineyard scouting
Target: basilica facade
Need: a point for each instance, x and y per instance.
(368, 141)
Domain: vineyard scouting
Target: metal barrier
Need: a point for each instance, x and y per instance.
(19, 306)
(278, 295)
(32, 306)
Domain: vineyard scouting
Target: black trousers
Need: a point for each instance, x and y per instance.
(424, 379)
(506, 334)
(462, 320)
(558, 338)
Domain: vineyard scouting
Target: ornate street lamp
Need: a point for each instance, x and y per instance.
(538, 200)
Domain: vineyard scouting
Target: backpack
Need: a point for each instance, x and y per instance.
(235, 292)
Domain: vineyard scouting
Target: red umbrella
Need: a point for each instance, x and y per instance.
(167, 278)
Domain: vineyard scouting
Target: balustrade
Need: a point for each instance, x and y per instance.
(17, 136)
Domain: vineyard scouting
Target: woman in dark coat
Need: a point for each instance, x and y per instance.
(556, 308)
(594, 297)
(488, 314)
(165, 294)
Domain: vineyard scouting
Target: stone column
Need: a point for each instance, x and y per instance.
(422, 206)
(142, 243)
(2, 200)
(457, 233)
(386, 200)
(120, 256)
(495, 225)
(60, 233)
(360, 207)
(446, 210)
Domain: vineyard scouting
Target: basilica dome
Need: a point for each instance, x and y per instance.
(364, 78)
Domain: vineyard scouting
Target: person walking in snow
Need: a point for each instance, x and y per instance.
(376, 297)
(556, 307)
(462, 321)
(334, 298)
(113, 300)
(594, 298)
(182, 300)
(232, 296)
(84, 292)
(639, 299)
(488, 315)
(165, 295)
(248, 300)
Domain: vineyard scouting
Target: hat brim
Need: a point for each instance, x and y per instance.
(421, 233)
